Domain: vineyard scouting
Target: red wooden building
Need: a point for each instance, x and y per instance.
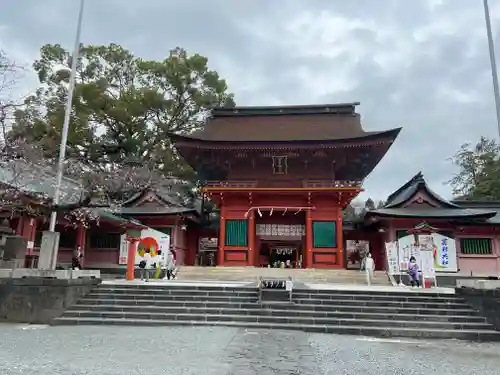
(281, 177)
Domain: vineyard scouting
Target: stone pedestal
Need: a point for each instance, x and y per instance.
(48, 250)
(13, 249)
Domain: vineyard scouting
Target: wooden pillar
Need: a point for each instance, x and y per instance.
(20, 225)
(309, 240)
(81, 237)
(33, 223)
(340, 239)
(252, 259)
(222, 237)
(132, 250)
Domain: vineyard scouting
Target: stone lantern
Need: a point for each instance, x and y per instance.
(12, 247)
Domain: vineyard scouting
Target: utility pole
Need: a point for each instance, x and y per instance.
(493, 63)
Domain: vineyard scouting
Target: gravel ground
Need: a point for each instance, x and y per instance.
(43, 350)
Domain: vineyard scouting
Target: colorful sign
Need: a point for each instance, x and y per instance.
(445, 253)
(150, 239)
(442, 248)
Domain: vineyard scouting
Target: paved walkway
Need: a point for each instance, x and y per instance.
(104, 350)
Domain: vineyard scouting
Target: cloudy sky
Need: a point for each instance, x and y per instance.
(420, 64)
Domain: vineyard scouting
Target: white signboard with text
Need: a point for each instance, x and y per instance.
(442, 248)
(407, 249)
(427, 264)
(391, 251)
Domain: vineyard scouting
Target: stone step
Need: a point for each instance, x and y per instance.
(178, 292)
(274, 319)
(390, 297)
(378, 330)
(232, 298)
(300, 294)
(276, 312)
(303, 306)
(169, 297)
(323, 292)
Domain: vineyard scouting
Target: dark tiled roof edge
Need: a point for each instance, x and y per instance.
(344, 108)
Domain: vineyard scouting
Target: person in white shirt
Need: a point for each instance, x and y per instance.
(289, 288)
(169, 265)
(369, 268)
(145, 271)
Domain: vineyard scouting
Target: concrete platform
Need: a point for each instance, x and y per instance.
(22, 273)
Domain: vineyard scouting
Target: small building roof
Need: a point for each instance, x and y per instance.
(328, 122)
(484, 205)
(433, 213)
(396, 205)
(410, 188)
(172, 201)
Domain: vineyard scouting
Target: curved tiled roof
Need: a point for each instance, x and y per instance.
(410, 188)
(433, 213)
(328, 122)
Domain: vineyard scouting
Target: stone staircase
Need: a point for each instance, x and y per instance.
(369, 313)
(252, 274)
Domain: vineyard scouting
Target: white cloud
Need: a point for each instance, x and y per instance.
(422, 65)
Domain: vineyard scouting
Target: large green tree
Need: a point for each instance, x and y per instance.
(478, 175)
(124, 107)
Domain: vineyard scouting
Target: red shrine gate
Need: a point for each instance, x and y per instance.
(305, 163)
(308, 219)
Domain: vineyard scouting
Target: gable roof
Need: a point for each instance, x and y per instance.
(416, 184)
(173, 199)
(448, 210)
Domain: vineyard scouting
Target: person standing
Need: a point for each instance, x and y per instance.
(145, 271)
(169, 265)
(76, 260)
(369, 268)
(413, 272)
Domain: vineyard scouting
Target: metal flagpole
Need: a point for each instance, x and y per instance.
(64, 135)
(493, 63)
(67, 115)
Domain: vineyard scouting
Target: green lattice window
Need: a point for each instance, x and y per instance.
(236, 233)
(476, 246)
(324, 234)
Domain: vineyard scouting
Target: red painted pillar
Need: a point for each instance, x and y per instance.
(340, 239)
(309, 241)
(222, 237)
(252, 259)
(32, 222)
(132, 250)
(20, 225)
